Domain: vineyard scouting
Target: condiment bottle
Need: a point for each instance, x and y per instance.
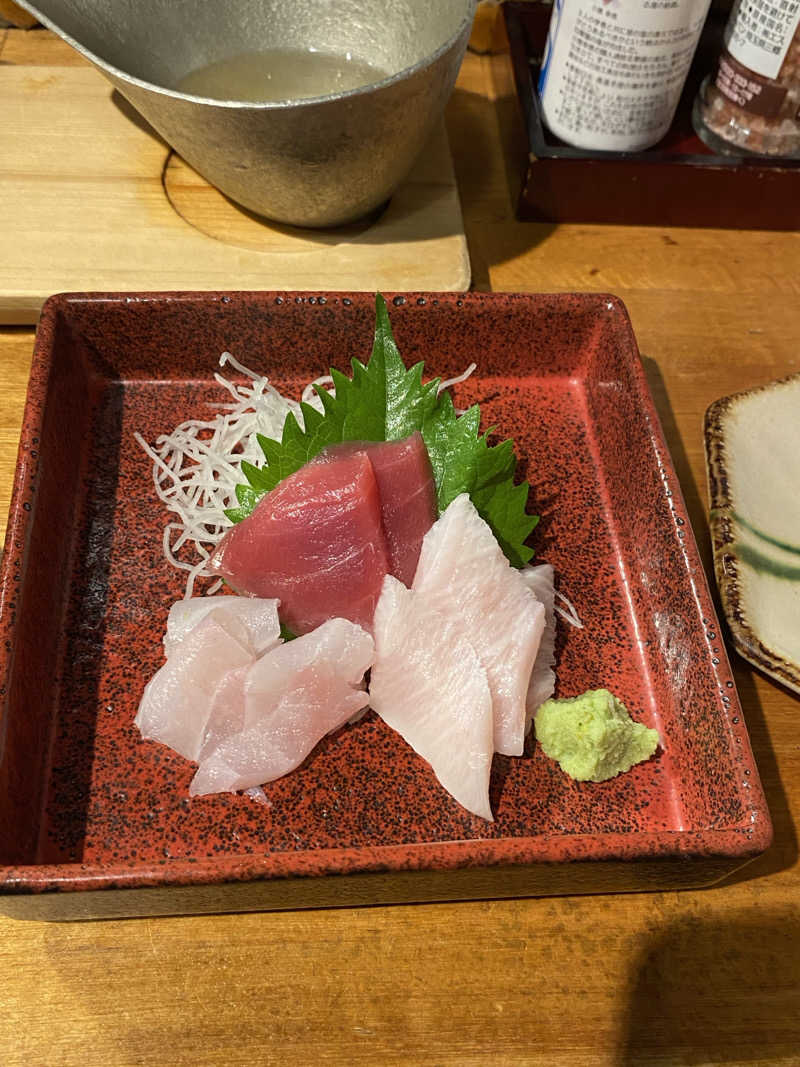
(613, 70)
(751, 101)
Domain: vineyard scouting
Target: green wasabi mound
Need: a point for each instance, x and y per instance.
(592, 737)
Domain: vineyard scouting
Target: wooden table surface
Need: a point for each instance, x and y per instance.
(706, 977)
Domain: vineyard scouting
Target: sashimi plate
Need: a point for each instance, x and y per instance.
(96, 822)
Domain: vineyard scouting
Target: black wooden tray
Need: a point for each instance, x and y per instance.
(678, 182)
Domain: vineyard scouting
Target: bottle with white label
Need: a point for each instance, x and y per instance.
(613, 70)
(751, 101)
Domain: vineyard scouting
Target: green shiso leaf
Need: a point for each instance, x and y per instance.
(385, 401)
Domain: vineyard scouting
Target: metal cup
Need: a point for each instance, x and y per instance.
(323, 161)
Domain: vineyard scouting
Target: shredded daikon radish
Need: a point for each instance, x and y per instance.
(458, 379)
(568, 612)
(310, 395)
(197, 467)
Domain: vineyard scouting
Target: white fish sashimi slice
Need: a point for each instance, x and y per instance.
(177, 700)
(226, 715)
(462, 573)
(293, 696)
(258, 616)
(542, 685)
(428, 684)
(269, 750)
(339, 643)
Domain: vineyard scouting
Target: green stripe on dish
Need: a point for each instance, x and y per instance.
(793, 549)
(765, 565)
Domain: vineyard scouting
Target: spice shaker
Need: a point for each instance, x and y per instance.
(751, 102)
(613, 70)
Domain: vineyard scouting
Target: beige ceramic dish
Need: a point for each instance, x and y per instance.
(753, 464)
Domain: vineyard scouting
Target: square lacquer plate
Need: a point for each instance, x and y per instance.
(753, 465)
(95, 821)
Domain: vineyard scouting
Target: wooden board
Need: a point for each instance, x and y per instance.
(92, 199)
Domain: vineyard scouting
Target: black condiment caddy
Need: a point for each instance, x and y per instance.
(678, 182)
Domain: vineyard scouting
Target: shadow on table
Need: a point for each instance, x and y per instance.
(717, 992)
(488, 173)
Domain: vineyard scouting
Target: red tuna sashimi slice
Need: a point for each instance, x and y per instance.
(428, 684)
(407, 493)
(408, 500)
(464, 575)
(176, 704)
(542, 685)
(315, 542)
(259, 617)
(293, 696)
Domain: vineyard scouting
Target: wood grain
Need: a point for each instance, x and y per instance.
(16, 15)
(665, 979)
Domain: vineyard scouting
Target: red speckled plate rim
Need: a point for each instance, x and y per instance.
(742, 840)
